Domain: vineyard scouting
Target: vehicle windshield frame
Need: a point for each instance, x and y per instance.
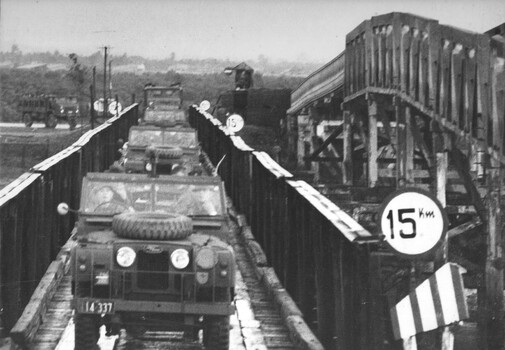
(161, 194)
(164, 136)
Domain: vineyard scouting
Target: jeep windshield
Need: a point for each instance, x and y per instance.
(145, 137)
(163, 99)
(119, 193)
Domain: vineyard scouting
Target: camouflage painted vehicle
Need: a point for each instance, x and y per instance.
(162, 150)
(163, 106)
(151, 255)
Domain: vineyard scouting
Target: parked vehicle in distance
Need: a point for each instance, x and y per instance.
(49, 109)
(151, 255)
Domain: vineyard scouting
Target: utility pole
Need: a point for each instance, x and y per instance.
(92, 94)
(110, 79)
(105, 104)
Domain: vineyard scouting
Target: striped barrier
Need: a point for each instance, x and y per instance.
(436, 302)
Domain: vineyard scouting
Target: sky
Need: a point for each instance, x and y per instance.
(292, 30)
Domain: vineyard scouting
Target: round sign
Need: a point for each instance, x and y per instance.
(62, 208)
(235, 123)
(413, 222)
(113, 106)
(205, 105)
(98, 105)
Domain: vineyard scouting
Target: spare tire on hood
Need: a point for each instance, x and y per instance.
(152, 225)
(167, 152)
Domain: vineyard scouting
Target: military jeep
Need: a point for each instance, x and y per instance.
(163, 106)
(151, 255)
(158, 150)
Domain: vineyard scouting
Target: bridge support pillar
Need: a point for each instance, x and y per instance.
(347, 164)
(404, 145)
(492, 320)
(373, 174)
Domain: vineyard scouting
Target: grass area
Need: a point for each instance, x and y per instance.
(21, 149)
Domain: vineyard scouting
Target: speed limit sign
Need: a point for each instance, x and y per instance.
(413, 222)
(235, 123)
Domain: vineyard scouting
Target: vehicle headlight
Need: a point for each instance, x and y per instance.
(62, 110)
(205, 259)
(125, 256)
(149, 167)
(180, 258)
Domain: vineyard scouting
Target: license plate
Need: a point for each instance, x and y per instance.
(96, 307)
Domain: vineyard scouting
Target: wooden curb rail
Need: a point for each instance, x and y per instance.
(301, 335)
(32, 317)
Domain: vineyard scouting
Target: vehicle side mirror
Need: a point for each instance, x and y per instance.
(63, 209)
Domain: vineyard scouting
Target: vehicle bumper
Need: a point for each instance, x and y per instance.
(186, 308)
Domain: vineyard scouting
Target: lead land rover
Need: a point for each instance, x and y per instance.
(151, 256)
(158, 150)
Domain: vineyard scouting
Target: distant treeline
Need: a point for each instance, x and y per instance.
(16, 83)
(208, 65)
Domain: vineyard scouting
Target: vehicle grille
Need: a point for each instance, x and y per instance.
(151, 267)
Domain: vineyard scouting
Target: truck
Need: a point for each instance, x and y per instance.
(49, 109)
(151, 254)
(163, 106)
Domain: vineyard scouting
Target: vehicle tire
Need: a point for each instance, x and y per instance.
(166, 152)
(27, 119)
(150, 225)
(72, 123)
(216, 332)
(51, 121)
(87, 331)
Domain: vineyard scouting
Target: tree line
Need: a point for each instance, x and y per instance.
(77, 79)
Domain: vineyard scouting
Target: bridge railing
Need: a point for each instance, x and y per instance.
(311, 243)
(454, 76)
(323, 81)
(31, 231)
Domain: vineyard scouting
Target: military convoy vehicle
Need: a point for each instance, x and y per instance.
(162, 151)
(49, 110)
(151, 255)
(163, 106)
(163, 143)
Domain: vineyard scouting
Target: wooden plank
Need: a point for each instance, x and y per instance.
(493, 301)
(372, 143)
(421, 144)
(401, 145)
(405, 58)
(457, 76)
(396, 47)
(463, 169)
(27, 325)
(409, 149)
(347, 164)
(467, 227)
(338, 290)
(414, 63)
